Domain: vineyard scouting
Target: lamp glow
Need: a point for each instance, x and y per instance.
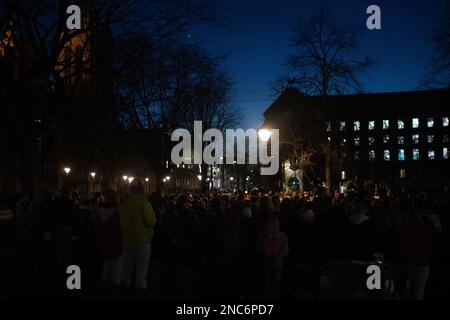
(93, 174)
(264, 134)
(67, 170)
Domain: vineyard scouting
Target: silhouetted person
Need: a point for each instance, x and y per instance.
(137, 219)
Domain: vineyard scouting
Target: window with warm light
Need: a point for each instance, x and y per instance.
(402, 173)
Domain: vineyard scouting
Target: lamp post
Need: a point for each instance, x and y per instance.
(93, 174)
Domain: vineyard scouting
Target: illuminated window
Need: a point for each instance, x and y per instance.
(445, 153)
(371, 125)
(445, 121)
(342, 126)
(357, 157)
(401, 155)
(329, 139)
(401, 124)
(401, 139)
(415, 122)
(357, 141)
(328, 126)
(343, 175)
(387, 155)
(343, 142)
(415, 138)
(430, 138)
(416, 154)
(385, 124)
(371, 141)
(430, 122)
(430, 154)
(386, 138)
(356, 125)
(371, 155)
(445, 138)
(402, 173)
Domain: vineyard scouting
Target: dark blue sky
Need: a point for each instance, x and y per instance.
(256, 37)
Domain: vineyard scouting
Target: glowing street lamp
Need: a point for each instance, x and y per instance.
(199, 177)
(130, 179)
(167, 178)
(264, 134)
(147, 179)
(67, 170)
(93, 174)
(231, 178)
(125, 178)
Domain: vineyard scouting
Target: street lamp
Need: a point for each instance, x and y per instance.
(167, 178)
(93, 174)
(231, 178)
(67, 170)
(264, 134)
(199, 177)
(147, 179)
(130, 179)
(125, 178)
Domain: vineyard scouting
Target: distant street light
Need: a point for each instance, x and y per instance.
(199, 177)
(264, 134)
(147, 179)
(125, 178)
(93, 174)
(167, 178)
(67, 170)
(130, 179)
(231, 178)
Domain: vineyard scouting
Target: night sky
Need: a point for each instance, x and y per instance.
(256, 36)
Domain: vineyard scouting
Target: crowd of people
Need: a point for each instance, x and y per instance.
(239, 246)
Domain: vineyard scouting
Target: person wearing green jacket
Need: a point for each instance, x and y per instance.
(137, 220)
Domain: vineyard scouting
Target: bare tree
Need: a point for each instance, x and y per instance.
(325, 61)
(438, 73)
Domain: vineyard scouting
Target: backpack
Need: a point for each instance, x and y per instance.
(271, 247)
